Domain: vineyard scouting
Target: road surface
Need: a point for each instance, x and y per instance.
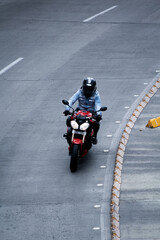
(46, 50)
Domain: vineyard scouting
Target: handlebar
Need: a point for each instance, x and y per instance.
(65, 102)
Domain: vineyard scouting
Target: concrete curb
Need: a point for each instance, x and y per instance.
(115, 196)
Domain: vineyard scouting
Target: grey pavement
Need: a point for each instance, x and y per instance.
(39, 197)
(140, 190)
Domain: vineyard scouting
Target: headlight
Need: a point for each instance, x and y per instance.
(74, 124)
(84, 126)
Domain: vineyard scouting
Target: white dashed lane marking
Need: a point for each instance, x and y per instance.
(102, 167)
(97, 206)
(109, 136)
(101, 13)
(117, 122)
(96, 228)
(106, 150)
(10, 65)
(100, 185)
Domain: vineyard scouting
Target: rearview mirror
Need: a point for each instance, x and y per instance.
(103, 109)
(65, 102)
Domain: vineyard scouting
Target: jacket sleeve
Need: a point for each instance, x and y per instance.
(98, 103)
(73, 99)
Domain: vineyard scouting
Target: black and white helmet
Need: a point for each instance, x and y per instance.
(89, 86)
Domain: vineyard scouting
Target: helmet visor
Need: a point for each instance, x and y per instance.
(88, 90)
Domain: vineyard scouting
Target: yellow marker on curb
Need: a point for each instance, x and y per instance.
(153, 123)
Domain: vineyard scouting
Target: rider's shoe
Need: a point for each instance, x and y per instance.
(94, 140)
(65, 135)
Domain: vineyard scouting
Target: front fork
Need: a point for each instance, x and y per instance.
(77, 140)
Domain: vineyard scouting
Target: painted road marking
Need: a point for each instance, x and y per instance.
(106, 150)
(100, 185)
(97, 206)
(98, 14)
(102, 167)
(117, 122)
(10, 65)
(96, 228)
(109, 136)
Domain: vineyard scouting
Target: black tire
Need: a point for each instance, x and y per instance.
(74, 157)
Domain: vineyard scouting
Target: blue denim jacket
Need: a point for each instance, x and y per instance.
(90, 104)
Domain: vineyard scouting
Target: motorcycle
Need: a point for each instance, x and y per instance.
(79, 134)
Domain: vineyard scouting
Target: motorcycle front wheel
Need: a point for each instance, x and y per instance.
(74, 157)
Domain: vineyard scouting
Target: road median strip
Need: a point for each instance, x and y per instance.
(115, 196)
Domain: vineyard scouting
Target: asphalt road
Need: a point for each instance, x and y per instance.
(39, 197)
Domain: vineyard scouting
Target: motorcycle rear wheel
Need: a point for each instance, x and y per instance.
(74, 157)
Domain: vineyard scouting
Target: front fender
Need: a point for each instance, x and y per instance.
(77, 141)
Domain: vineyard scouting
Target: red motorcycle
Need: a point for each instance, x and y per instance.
(80, 130)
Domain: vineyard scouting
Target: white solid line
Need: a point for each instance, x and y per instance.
(10, 65)
(98, 14)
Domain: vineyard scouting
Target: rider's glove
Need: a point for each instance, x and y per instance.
(66, 112)
(98, 118)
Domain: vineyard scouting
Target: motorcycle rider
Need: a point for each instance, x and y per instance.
(88, 99)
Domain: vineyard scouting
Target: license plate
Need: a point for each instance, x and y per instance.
(77, 132)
